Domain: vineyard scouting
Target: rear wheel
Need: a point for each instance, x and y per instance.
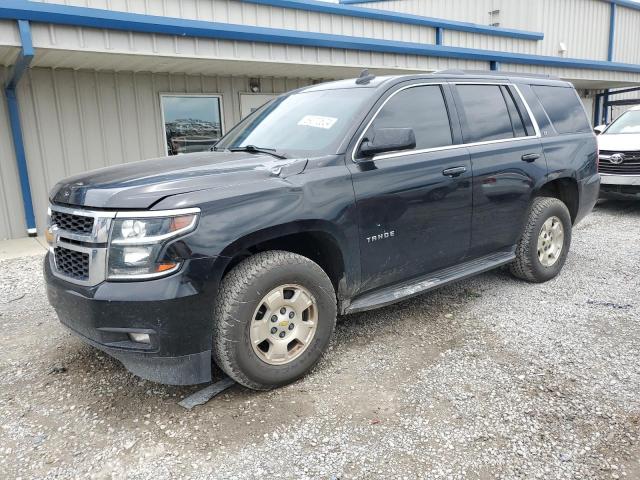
(274, 316)
(544, 245)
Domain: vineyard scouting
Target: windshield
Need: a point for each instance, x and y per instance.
(308, 123)
(628, 122)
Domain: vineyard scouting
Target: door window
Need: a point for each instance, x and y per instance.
(421, 108)
(485, 113)
(192, 123)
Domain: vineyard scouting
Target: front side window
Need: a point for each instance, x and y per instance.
(628, 122)
(309, 123)
(192, 123)
(422, 109)
(563, 108)
(485, 113)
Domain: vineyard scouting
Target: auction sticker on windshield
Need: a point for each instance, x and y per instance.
(318, 121)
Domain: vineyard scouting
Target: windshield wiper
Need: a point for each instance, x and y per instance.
(254, 149)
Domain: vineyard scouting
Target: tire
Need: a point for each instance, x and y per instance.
(241, 300)
(528, 265)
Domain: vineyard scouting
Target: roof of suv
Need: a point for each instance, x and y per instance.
(446, 75)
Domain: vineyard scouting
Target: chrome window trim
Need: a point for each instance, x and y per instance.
(96, 244)
(403, 153)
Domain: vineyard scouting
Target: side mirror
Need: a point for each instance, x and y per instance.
(388, 140)
(599, 129)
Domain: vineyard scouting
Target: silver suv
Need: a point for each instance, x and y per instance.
(619, 145)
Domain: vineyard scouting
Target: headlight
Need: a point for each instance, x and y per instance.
(137, 242)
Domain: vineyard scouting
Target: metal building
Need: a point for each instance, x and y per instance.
(93, 83)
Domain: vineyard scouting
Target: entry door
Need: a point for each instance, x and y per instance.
(250, 102)
(414, 217)
(507, 160)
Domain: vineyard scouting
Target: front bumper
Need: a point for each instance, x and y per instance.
(625, 185)
(175, 311)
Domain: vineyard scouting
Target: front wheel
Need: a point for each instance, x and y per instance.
(274, 316)
(544, 245)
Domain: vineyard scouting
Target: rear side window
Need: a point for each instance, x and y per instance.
(421, 108)
(563, 107)
(485, 113)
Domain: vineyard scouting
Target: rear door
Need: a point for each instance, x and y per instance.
(414, 216)
(507, 160)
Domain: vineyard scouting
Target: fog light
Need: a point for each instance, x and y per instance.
(140, 338)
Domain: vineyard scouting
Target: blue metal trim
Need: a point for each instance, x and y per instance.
(96, 18)
(398, 17)
(612, 31)
(626, 3)
(25, 57)
(21, 66)
(439, 35)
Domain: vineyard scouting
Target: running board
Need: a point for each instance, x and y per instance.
(417, 286)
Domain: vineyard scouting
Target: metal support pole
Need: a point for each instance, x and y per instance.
(21, 65)
(605, 107)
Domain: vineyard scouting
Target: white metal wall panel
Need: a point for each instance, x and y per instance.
(11, 211)
(231, 11)
(75, 39)
(627, 36)
(76, 121)
(9, 43)
(583, 25)
(9, 33)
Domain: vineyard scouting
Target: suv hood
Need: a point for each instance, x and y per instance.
(140, 185)
(619, 142)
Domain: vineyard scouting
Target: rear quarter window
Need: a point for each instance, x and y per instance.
(564, 108)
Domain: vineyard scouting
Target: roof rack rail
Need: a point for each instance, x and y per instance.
(502, 73)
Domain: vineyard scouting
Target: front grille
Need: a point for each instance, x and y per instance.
(629, 166)
(72, 223)
(71, 263)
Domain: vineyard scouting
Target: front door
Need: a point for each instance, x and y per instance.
(414, 207)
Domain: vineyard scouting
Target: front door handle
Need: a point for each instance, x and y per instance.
(530, 157)
(454, 171)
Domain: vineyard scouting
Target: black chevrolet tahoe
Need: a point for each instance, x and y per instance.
(330, 199)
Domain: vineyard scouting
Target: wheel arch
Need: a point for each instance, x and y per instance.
(317, 240)
(564, 189)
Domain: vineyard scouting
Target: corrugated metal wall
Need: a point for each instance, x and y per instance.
(11, 212)
(627, 40)
(583, 25)
(75, 121)
(231, 11)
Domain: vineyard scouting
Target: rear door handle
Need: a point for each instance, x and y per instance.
(530, 157)
(454, 171)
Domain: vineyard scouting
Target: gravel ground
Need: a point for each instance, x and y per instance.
(488, 378)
